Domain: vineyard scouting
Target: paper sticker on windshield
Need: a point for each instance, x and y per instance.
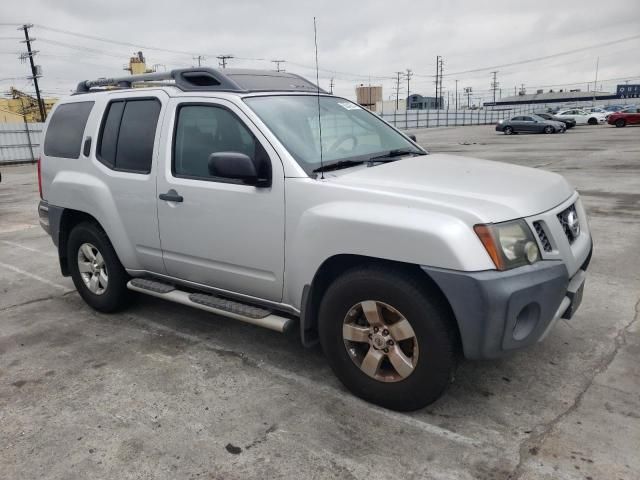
(349, 106)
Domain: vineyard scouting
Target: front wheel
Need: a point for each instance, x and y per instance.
(97, 273)
(593, 121)
(508, 130)
(387, 338)
(620, 123)
(549, 129)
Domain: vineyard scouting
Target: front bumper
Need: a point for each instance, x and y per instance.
(498, 312)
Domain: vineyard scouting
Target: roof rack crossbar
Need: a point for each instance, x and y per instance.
(188, 79)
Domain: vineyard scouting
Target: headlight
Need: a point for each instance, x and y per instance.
(509, 244)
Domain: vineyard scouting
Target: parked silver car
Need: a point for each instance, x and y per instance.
(218, 190)
(529, 124)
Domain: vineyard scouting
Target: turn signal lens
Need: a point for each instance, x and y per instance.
(486, 237)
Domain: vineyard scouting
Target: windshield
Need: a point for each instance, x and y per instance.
(349, 132)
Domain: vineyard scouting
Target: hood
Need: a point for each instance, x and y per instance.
(488, 191)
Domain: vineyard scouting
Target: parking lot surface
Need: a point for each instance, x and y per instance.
(164, 391)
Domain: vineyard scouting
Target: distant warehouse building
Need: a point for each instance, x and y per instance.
(554, 97)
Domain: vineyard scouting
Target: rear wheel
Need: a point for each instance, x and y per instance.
(97, 274)
(386, 338)
(593, 121)
(549, 129)
(621, 122)
(508, 130)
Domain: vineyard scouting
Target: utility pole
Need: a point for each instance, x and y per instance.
(223, 60)
(595, 86)
(278, 62)
(331, 84)
(199, 58)
(467, 92)
(409, 74)
(494, 85)
(35, 70)
(456, 95)
(397, 88)
(437, 78)
(440, 98)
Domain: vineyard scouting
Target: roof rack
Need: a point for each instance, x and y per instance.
(207, 79)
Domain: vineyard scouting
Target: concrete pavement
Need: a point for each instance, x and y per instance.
(164, 391)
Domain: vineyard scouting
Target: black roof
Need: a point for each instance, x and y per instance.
(208, 79)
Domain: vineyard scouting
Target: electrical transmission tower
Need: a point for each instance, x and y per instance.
(408, 76)
(200, 59)
(223, 60)
(278, 62)
(468, 91)
(494, 85)
(36, 71)
(331, 85)
(397, 88)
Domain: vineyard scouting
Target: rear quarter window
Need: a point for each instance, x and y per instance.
(65, 130)
(128, 133)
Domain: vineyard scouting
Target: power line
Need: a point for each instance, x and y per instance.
(546, 57)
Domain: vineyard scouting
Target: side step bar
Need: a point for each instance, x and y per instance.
(211, 303)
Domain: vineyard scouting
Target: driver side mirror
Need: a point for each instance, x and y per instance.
(235, 166)
(413, 137)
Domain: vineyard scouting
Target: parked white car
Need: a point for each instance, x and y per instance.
(219, 190)
(582, 117)
(596, 110)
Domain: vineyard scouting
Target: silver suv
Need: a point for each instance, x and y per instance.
(257, 196)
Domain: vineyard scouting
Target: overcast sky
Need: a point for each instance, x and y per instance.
(356, 40)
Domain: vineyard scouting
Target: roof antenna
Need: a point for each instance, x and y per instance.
(315, 39)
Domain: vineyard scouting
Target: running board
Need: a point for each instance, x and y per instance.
(211, 303)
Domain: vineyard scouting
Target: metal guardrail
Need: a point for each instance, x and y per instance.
(20, 142)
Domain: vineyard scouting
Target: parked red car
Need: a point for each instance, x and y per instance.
(628, 116)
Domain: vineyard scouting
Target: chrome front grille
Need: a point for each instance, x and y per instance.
(544, 240)
(570, 223)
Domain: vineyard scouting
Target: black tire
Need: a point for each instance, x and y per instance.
(621, 122)
(549, 129)
(115, 296)
(429, 318)
(508, 130)
(593, 121)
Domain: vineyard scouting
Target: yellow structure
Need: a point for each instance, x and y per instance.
(19, 103)
(137, 65)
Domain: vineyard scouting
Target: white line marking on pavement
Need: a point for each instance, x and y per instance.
(34, 276)
(24, 247)
(407, 419)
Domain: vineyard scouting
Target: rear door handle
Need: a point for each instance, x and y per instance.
(171, 196)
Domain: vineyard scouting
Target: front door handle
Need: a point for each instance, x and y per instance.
(171, 196)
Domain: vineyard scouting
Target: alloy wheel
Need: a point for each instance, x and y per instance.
(380, 341)
(92, 268)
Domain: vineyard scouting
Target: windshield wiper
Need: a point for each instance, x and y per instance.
(338, 165)
(391, 154)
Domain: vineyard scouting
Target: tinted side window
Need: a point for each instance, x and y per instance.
(65, 130)
(137, 135)
(202, 130)
(128, 134)
(109, 137)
